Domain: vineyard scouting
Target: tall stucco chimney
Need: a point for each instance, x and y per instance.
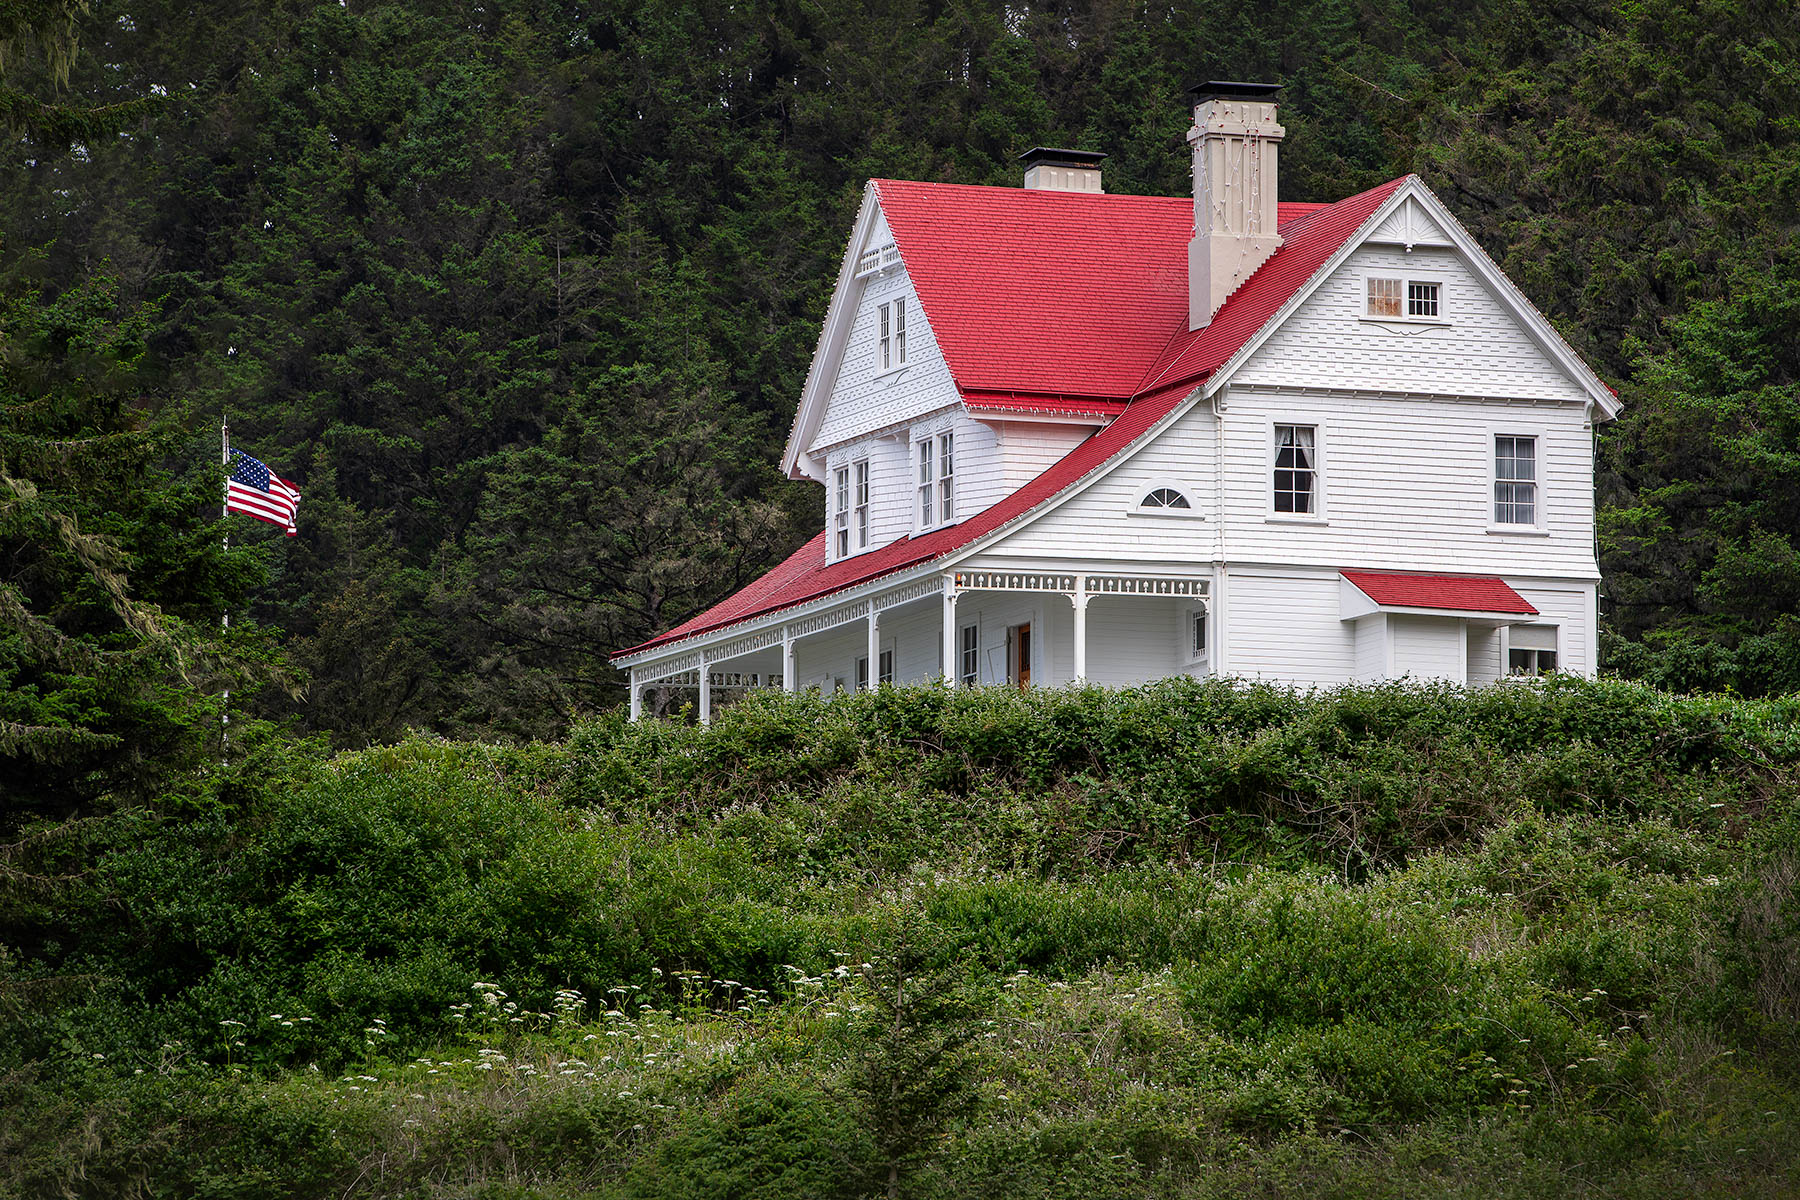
(1234, 139)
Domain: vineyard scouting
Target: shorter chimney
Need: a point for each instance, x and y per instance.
(1051, 170)
(1234, 139)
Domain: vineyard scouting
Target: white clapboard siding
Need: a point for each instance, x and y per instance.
(1480, 350)
(1132, 640)
(864, 398)
(1028, 449)
(1427, 648)
(1287, 629)
(1371, 633)
(1484, 665)
(1406, 485)
(1571, 610)
(1102, 521)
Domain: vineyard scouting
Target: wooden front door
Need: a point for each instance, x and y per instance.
(1021, 664)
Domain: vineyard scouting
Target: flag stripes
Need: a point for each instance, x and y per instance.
(256, 491)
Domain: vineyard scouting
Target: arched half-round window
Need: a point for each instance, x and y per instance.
(1164, 497)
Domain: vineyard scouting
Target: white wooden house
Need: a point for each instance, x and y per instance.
(1066, 436)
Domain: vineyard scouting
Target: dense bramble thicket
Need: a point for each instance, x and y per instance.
(978, 942)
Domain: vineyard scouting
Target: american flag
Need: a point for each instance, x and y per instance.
(258, 492)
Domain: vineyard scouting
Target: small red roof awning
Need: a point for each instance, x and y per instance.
(1454, 593)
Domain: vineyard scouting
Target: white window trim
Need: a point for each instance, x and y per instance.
(1405, 278)
(1506, 651)
(935, 440)
(900, 354)
(1321, 465)
(862, 506)
(1540, 526)
(1192, 513)
(962, 678)
(839, 513)
(1184, 636)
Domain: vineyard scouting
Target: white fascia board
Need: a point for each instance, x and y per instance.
(1535, 324)
(797, 462)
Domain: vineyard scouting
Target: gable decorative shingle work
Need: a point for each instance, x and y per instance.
(1054, 302)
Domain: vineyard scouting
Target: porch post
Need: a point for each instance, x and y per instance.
(949, 630)
(874, 678)
(637, 696)
(705, 691)
(1079, 598)
(788, 682)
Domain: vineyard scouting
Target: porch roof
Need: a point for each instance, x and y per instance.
(1452, 593)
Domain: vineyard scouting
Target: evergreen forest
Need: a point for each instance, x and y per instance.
(328, 866)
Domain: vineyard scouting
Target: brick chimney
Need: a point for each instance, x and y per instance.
(1048, 169)
(1234, 139)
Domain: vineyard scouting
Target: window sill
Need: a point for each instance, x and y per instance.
(1408, 324)
(891, 375)
(1178, 514)
(1518, 531)
(1293, 519)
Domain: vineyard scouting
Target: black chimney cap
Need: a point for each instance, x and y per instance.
(1039, 155)
(1219, 89)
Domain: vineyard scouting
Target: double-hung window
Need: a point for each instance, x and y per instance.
(841, 515)
(947, 477)
(862, 504)
(969, 668)
(891, 326)
(1392, 299)
(1296, 469)
(937, 480)
(1515, 480)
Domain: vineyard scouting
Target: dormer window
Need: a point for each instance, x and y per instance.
(891, 320)
(1395, 299)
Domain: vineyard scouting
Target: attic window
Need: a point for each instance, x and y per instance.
(1405, 300)
(891, 322)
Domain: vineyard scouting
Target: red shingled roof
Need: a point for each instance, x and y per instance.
(1050, 297)
(1463, 593)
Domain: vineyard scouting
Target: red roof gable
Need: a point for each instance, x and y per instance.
(1463, 593)
(995, 299)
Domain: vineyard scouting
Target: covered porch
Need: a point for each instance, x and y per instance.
(975, 627)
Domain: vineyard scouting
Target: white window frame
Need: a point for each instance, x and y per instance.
(1193, 616)
(965, 649)
(1407, 281)
(946, 482)
(1506, 649)
(934, 494)
(1320, 464)
(1188, 492)
(859, 496)
(884, 665)
(1539, 526)
(890, 335)
(840, 518)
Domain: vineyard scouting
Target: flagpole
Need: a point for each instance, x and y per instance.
(225, 618)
